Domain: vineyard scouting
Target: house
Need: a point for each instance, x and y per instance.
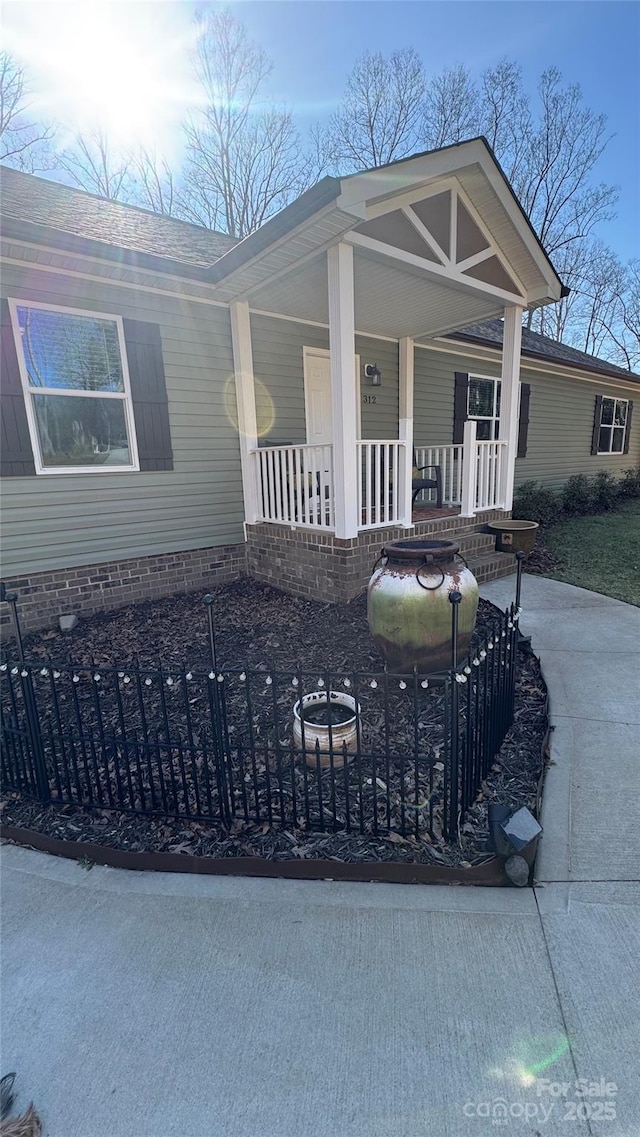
(179, 409)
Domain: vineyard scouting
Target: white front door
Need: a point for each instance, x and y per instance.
(317, 395)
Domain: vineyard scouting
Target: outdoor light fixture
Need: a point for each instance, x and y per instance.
(373, 374)
(510, 833)
(520, 829)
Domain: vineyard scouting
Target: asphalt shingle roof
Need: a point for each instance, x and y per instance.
(541, 347)
(68, 210)
(64, 209)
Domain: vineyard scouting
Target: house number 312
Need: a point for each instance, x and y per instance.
(368, 398)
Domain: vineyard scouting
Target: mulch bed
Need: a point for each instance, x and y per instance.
(262, 629)
(256, 626)
(542, 559)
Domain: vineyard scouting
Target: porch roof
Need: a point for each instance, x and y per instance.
(440, 242)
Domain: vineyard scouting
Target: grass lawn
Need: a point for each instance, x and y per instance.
(601, 553)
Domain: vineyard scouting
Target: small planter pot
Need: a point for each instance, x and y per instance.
(514, 536)
(313, 708)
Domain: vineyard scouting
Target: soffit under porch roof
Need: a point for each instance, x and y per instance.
(390, 300)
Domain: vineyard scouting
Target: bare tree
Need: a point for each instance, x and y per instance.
(243, 155)
(505, 117)
(381, 115)
(601, 314)
(24, 143)
(630, 316)
(601, 286)
(549, 148)
(554, 183)
(615, 313)
(452, 108)
(92, 163)
(156, 183)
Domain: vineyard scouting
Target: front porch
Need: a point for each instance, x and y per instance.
(396, 258)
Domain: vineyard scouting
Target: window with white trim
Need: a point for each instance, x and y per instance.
(73, 367)
(484, 406)
(613, 424)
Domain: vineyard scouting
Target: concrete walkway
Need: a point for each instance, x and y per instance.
(589, 647)
(154, 1005)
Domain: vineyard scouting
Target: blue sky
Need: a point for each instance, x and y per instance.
(133, 55)
(597, 45)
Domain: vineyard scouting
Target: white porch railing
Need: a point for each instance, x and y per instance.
(295, 485)
(380, 500)
(483, 476)
(489, 461)
(449, 458)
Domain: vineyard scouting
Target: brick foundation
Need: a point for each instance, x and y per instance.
(44, 596)
(304, 562)
(319, 566)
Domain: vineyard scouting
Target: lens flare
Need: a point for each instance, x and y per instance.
(531, 1057)
(265, 409)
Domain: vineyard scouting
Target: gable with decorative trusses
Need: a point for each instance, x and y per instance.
(443, 229)
(439, 241)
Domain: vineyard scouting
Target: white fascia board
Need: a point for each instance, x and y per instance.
(234, 285)
(375, 185)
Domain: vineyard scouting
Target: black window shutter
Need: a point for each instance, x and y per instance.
(597, 419)
(148, 394)
(627, 433)
(16, 455)
(523, 425)
(460, 405)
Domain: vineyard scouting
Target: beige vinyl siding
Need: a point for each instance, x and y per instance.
(278, 366)
(58, 521)
(561, 415)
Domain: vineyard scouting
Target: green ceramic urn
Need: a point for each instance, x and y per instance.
(408, 606)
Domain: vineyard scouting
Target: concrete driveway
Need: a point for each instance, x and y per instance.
(153, 1005)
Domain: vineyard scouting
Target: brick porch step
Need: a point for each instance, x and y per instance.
(476, 545)
(491, 565)
(471, 544)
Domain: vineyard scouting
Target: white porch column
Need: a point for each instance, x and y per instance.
(346, 473)
(469, 469)
(246, 402)
(510, 399)
(405, 427)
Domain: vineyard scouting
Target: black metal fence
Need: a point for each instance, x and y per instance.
(219, 745)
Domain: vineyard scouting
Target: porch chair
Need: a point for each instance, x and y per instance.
(420, 483)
